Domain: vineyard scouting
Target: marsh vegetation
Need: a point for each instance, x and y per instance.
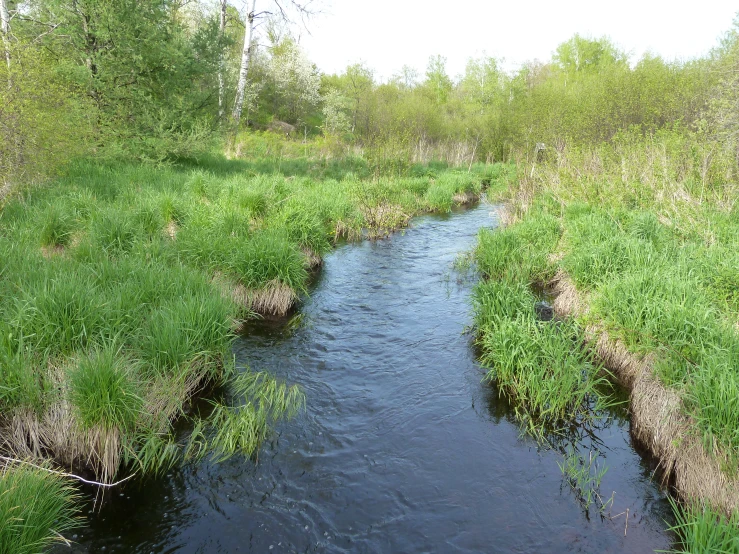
(140, 227)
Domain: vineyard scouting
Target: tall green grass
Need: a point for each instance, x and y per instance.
(701, 530)
(104, 390)
(36, 509)
(542, 365)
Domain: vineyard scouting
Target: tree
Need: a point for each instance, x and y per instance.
(580, 54)
(296, 81)
(437, 81)
(282, 7)
(481, 82)
(150, 67)
(246, 56)
(5, 30)
(222, 61)
(335, 119)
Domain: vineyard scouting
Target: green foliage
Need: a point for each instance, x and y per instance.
(581, 54)
(702, 530)
(584, 475)
(36, 508)
(57, 226)
(104, 391)
(191, 330)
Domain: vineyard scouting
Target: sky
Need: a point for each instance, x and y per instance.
(388, 34)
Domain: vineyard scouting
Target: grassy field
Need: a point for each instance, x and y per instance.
(122, 288)
(640, 243)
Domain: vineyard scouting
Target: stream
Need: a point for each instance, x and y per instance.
(401, 448)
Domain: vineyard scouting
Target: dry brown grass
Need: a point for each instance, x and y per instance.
(464, 198)
(171, 230)
(383, 219)
(274, 299)
(312, 259)
(57, 434)
(658, 419)
(347, 231)
(49, 252)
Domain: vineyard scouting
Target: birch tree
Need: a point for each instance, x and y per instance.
(281, 10)
(246, 55)
(221, 61)
(5, 30)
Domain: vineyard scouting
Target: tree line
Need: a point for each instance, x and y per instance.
(158, 80)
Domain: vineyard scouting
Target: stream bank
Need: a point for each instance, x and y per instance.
(402, 447)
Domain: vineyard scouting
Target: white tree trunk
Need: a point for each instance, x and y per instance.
(245, 61)
(221, 62)
(5, 29)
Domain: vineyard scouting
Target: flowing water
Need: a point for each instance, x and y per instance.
(402, 447)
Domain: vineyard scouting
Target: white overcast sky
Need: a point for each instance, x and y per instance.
(388, 34)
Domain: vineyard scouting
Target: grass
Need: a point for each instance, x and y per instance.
(701, 530)
(120, 288)
(584, 475)
(36, 508)
(104, 390)
(542, 365)
(651, 248)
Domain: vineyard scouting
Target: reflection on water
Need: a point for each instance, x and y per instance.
(402, 448)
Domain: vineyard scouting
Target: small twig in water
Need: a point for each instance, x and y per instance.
(63, 474)
(627, 522)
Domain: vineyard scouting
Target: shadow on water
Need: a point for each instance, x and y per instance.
(402, 448)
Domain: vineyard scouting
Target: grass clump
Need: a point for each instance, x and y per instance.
(597, 249)
(701, 530)
(542, 365)
(116, 232)
(104, 390)
(269, 256)
(57, 226)
(36, 508)
(544, 368)
(22, 380)
(520, 252)
(190, 330)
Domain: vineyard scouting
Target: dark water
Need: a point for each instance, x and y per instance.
(402, 448)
